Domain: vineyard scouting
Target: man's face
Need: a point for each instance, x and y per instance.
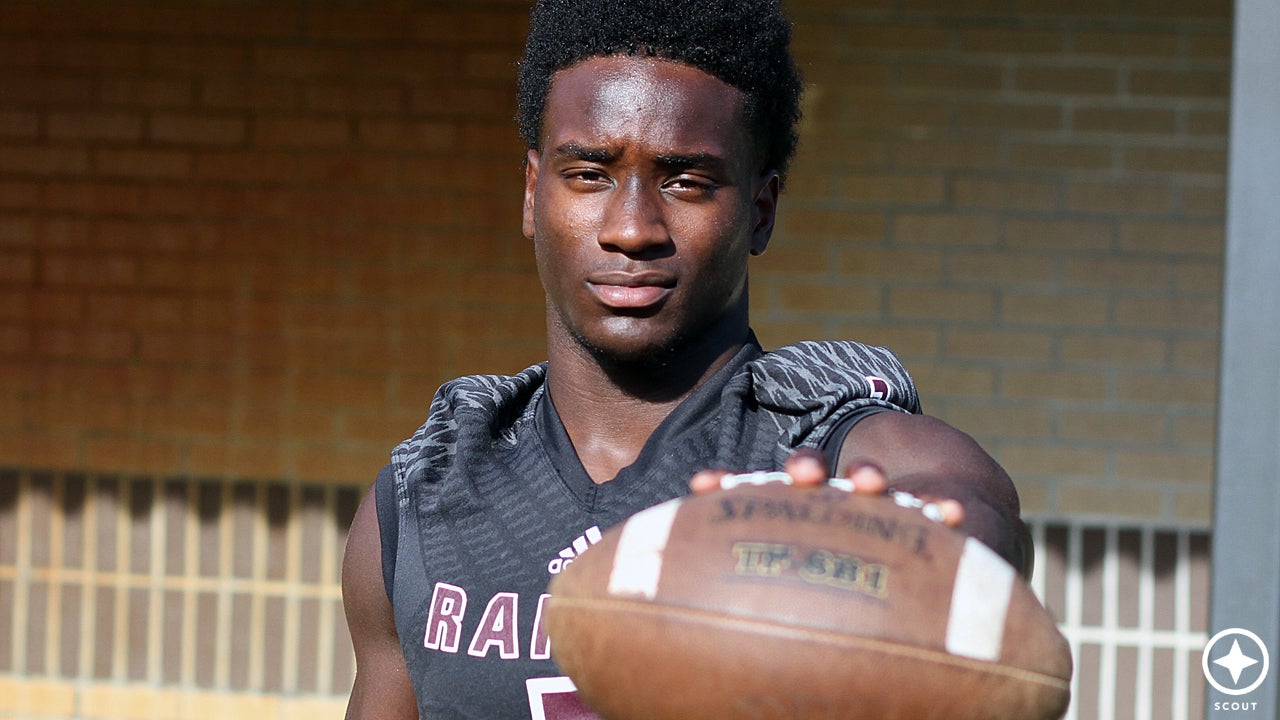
(644, 203)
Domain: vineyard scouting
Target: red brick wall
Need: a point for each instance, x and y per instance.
(248, 242)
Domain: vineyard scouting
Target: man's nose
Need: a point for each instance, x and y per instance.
(634, 223)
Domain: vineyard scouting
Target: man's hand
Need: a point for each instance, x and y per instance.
(807, 468)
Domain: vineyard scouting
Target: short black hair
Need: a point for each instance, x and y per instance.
(744, 43)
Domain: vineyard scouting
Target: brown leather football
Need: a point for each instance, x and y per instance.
(778, 602)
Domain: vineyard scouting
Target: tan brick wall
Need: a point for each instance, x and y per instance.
(1025, 200)
(247, 242)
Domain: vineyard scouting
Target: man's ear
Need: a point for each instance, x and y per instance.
(530, 186)
(764, 210)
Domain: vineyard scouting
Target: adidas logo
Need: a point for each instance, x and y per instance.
(579, 546)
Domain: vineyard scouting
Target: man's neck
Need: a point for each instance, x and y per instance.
(610, 409)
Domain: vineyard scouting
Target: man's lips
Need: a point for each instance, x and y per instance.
(630, 291)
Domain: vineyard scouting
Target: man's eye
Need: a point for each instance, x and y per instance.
(591, 177)
(690, 185)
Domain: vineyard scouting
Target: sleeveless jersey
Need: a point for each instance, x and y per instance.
(488, 501)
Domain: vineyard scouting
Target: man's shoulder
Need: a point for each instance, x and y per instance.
(805, 373)
(481, 405)
(488, 394)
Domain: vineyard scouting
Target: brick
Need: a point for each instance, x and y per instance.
(967, 8)
(1192, 506)
(1060, 156)
(1115, 273)
(1003, 420)
(1208, 161)
(946, 229)
(402, 135)
(18, 194)
(1173, 239)
(827, 299)
(1090, 386)
(946, 304)
(1180, 83)
(147, 92)
(250, 94)
(239, 460)
(1194, 431)
(896, 38)
(1176, 313)
(300, 131)
(1004, 192)
(1034, 496)
(488, 65)
(833, 78)
(946, 153)
(1196, 354)
(17, 267)
(1212, 123)
(143, 163)
(1211, 44)
(1130, 120)
(873, 110)
(1007, 116)
(1167, 466)
(831, 222)
(197, 129)
(1120, 197)
(45, 89)
(899, 264)
(820, 153)
(302, 61)
(1166, 389)
(1183, 9)
(999, 345)
(94, 55)
(15, 341)
(1119, 43)
(1017, 41)
(199, 58)
(363, 99)
(96, 198)
(15, 124)
(1073, 81)
(893, 189)
(469, 26)
(940, 380)
(1074, 236)
(37, 160)
(1039, 459)
(1146, 428)
(1002, 269)
(907, 341)
(361, 25)
(950, 77)
(1054, 310)
(437, 65)
(131, 454)
(1108, 500)
(70, 270)
(1109, 350)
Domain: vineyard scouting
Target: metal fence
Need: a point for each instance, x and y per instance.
(232, 588)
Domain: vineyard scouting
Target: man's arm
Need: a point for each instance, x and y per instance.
(382, 689)
(928, 458)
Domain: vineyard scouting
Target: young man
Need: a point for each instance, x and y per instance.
(659, 135)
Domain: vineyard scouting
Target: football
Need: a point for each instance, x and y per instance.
(771, 602)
